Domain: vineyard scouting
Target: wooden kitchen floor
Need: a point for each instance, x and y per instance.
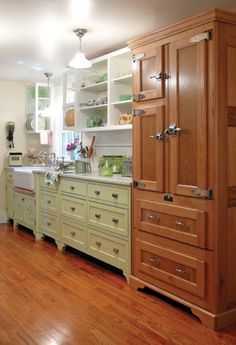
(50, 298)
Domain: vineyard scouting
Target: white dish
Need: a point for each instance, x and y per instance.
(41, 123)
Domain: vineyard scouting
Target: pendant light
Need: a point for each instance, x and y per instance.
(79, 60)
(47, 111)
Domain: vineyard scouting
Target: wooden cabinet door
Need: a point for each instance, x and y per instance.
(148, 151)
(148, 73)
(29, 211)
(188, 113)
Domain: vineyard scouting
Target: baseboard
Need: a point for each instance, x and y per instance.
(3, 217)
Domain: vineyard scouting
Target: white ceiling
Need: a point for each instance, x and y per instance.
(36, 36)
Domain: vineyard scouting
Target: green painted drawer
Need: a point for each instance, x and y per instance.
(73, 235)
(74, 187)
(9, 176)
(47, 185)
(110, 250)
(109, 218)
(73, 208)
(48, 201)
(49, 225)
(117, 195)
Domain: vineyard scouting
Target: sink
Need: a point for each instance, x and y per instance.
(23, 177)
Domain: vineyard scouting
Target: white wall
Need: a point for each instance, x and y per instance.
(12, 108)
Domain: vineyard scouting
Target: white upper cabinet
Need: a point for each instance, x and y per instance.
(103, 93)
(69, 99)
(38, 105)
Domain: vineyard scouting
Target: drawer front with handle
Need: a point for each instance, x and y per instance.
(48, 201)
(112, 219)
(74, 187)
(49, 225)
(73, 235)
(73, 208)
(108, 249)
(117, 195)
(179, 223)
(48, 185)
(9, 176)
(162, 264)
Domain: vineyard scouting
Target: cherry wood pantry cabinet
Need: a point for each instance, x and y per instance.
(184, 157)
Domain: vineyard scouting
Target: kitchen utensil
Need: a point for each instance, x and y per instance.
(82, 166)
(90, 149)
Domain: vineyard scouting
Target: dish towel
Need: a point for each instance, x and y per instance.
(51, 176)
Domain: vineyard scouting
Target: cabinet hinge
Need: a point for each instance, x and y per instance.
(137, 184)
(137, 57)
(138, 112)
(203, 193)
(138, 97)
(203, 36)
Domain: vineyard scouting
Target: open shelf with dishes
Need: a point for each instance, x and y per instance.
(69, 99)
(104, 93)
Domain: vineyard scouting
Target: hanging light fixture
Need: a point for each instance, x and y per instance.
(79, 60)
(47, 111)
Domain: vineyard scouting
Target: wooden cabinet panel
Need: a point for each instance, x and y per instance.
(48, 201)
(10, 200)
(148, 73)
(179, 223)
(175, 269)
(49, 224)
(148, 151)
(188, 110)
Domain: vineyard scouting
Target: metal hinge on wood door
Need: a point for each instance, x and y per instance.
(137, 57)
(203, 193)
(200, 37)
(138, 184)
(138, 112)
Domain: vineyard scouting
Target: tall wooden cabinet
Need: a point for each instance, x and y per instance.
(184, 154)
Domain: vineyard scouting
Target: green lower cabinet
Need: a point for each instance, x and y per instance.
(24, 210)
(73, 234)
(111, 250)
(49, 225)
(74, 208)
(10, 200)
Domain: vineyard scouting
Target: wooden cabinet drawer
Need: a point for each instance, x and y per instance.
(73, 235)
(49, 225)
(47, 185)
(74, 208)
(179, 223)
(109, 218)
(117, 195)
(108, 249)
(183, 270)
(74, 187)
(48, 201)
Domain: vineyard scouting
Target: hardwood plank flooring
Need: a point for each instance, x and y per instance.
(51, 298)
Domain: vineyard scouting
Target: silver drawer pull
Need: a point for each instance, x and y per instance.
(116, 250)
(49, 201)
(72, 233)
(115, 220)
(115, 195)
(72, 208)
(154, 261)
(153, 218)
(181, 271)
(98, 244)
(72, 187)
(48, 224)
(182, 225)
(97, 215)
(97, 192)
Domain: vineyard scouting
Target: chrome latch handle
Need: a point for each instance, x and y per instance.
(159, 136)
(172, 130)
